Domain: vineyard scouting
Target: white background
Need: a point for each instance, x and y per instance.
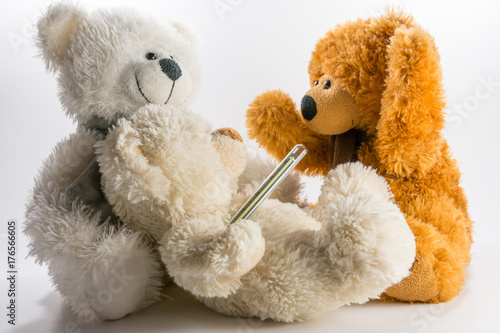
(252, 46)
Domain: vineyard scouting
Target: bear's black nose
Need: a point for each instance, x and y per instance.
(170, 67)
(308, 107)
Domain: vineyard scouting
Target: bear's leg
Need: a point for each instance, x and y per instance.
(438, 273)
(102, 272)
(363, 246)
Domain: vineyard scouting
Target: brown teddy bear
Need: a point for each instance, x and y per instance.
(376, 96)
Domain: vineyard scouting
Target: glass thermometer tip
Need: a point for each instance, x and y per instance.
(271, 182)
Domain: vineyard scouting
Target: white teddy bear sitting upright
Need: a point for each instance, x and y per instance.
(110, 63)
(142, 184)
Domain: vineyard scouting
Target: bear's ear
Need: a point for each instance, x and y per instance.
(409, 137)
(54, 32)
(186, 30)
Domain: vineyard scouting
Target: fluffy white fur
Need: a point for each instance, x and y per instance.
(103, 270)
(143, 162)
(281, 264)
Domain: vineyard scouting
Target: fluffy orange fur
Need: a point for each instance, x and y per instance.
(392, 68)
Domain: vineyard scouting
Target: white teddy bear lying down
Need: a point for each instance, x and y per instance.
(281, 263)
(161, 188)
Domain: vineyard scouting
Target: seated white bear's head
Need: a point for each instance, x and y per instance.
(111, 63)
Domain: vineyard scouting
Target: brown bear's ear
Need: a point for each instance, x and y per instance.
(55, 28)
(409, 130)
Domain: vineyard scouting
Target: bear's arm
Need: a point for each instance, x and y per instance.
(273, 120)
(208, 258)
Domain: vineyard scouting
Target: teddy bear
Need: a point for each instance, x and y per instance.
(169, 176)
(110, 63)
(377, 97)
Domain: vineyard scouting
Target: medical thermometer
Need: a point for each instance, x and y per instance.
(273, 180)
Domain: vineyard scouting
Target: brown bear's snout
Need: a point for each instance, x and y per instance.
(308, 108)
(328, 107)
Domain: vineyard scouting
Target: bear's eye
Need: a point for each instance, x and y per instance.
(327, 84)
(316, 83)
(151, 56)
